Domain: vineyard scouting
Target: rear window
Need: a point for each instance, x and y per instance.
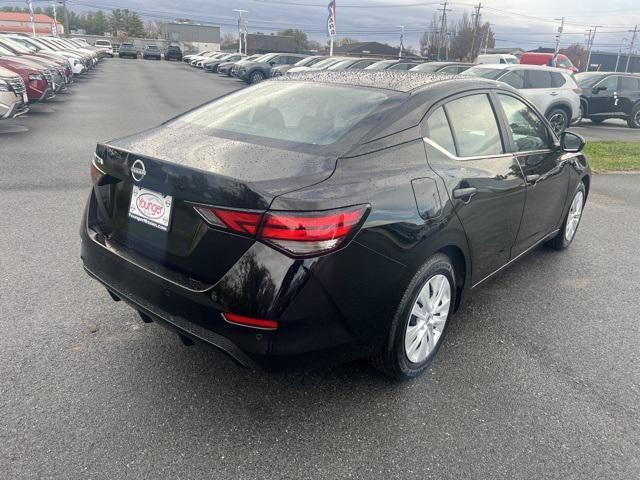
(316, 114)
(630, 84)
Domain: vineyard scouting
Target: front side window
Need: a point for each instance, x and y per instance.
(315, 114)
(527, 130)
(440, 132)
(611, 83)
(474, 126)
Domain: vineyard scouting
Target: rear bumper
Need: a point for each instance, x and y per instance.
(325, 311)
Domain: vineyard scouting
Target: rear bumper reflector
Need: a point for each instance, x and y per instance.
(250, 322)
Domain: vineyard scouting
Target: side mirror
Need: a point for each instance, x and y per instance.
(571, 142)
(272, 63)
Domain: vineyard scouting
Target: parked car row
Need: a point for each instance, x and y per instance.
(35, 69)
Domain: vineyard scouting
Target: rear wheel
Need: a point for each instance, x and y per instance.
(256, 77)
(634, 119)
(558, 119)
(418, 328)
(571, 222)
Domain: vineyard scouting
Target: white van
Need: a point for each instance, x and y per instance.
(106, 44)
(497, 58)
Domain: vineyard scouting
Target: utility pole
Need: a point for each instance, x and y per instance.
(592, 37)
(240, 12)
(476, 23)
(558, 37)
(401, 40)
(620, 52)
(631, 44)
(443, 26)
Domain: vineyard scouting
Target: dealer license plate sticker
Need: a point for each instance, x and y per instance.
(150, 207)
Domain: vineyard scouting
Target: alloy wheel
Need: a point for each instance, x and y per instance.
(558, 122)
(428, 318)
(573, 219)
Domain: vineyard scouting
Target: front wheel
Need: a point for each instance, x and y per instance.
(256, 77)
(418, 328)
(571, 222)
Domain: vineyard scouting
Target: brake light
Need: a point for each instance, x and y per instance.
(239, 221)
(578, 90)
(311, 233)
(250, 321)
(299, 234)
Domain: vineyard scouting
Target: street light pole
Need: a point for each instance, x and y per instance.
(401, 40)
(631, 44)
(592, 37)
(240, 12)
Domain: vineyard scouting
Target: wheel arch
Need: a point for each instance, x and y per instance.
(563, 106)
(459, 261)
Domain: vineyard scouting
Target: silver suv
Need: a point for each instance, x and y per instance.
(552, 90)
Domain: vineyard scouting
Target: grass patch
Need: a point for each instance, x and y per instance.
(613, 155)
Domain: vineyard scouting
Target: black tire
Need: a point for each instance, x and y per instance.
(393, 360)
(560, 242)
(634, 119)
(559, 120)
(256, 77)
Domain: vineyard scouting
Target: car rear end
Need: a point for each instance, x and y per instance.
(189, 238)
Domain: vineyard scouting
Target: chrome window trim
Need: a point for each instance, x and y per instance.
(455, 157)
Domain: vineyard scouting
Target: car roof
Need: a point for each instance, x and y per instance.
(396, 80)
(520, 66)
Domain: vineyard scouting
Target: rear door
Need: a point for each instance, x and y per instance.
(545, 172)
(628, 94)
(539, 89)
(465, 146)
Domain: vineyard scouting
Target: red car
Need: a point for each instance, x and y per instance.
(35, 77)
(546, 59)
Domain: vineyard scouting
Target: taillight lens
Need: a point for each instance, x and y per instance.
(250, 321)
(311, 233)
(299, 234)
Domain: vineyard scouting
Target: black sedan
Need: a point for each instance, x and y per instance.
(610, 95)
(330, 216)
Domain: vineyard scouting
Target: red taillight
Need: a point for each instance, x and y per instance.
(250, 322)
(296, 233)
(239, 221)
(311, 233)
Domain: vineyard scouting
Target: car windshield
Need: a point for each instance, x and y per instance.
(511, 60)
(152, 47)
(380, 65)
(316, 114)
(6, 51)
(327, 62)
(490, 73)
(588, 80)
(306, 62)
(25, 43)
(344, 64)
(266, 58)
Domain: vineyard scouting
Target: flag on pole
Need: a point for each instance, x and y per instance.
(33, 24)
(331, 19)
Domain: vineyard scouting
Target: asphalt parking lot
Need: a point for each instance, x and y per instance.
(607, 130)
(539, 376)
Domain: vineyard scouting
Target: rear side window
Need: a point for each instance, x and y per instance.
(474, 126)
(537, 79)
(439, 130)
(557, 80)
(515, 78)
(528, 131)
(630, 84)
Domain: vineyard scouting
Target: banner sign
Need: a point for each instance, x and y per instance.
(331, 19)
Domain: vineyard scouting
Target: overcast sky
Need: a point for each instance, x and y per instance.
(522, 23)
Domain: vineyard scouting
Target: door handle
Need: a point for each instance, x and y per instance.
(554, 94)
(532, 178)
(464, 192)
